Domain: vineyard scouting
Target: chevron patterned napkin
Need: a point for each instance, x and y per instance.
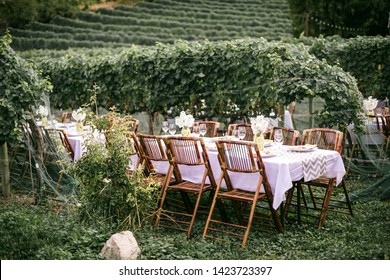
(314, 167)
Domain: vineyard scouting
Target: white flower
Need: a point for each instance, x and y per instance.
(78, 115)
(370, 103)
(43, 111)
(106, 181)
(259, 124)
(184, 120)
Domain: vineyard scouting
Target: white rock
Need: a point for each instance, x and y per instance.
(121, 246)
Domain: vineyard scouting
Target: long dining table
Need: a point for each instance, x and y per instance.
(283, 166)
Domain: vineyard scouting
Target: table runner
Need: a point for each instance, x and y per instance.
(314, 167)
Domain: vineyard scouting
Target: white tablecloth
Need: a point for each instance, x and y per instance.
(281, 170)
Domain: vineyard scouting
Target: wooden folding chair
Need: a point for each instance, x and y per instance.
(241, 157)
(212, 127)
(153, 150)
(132, 123)
(66, 117)
(248, 128)
(322, 201)
(290, 136)
(189, 151)
(135, 148)
(381, 111)
(59, 134)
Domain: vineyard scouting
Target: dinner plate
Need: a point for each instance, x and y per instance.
(222, 138)
(267, 155)
(303, 148)
(268, 142)
(73, 134)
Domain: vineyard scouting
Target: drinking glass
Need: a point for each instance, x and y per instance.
(278, 138)
(202, 129)
(165, 127)
(196, 130)
(172, 129)
(235, 133)
(241, 132)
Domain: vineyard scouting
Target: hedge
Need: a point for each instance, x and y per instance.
(233, 79)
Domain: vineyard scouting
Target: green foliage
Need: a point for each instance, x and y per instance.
(366, 58)
(16, 13)
(161, 21)
(32, 232)
(20, 89)
(107, 191)
(344, 18)
(232, 79)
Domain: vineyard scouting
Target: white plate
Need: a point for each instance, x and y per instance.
(268, 143)
(73, 134)
(267, 155)
(302, 148)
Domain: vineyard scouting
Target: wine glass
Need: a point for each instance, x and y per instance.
(196, 130)
(172, 128)
(202, 129)
(241, 132)
(278, 137)
(235, 133)
(165, 127)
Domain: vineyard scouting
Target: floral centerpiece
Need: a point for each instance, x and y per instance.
(369, 105)
(185, 121)
(43, 112)
(79, 116)
(259, 126)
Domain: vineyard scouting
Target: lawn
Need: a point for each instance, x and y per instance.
(47, 232)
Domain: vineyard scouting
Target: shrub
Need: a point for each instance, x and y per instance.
(107, 191)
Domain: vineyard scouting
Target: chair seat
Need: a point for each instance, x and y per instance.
(238, 194)
(160, 178)
(189, 187)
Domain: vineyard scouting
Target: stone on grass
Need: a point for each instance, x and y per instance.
(121, 246)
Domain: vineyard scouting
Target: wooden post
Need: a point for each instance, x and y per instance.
(307, 26)
(4, 166)
(311, 118)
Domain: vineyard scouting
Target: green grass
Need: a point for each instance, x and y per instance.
(43, 232)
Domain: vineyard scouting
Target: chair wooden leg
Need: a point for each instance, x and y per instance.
(209, 216)
(250, 218)
(163, 193)
(325, 205)
(195, 211)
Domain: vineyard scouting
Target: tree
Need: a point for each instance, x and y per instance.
(20, 89)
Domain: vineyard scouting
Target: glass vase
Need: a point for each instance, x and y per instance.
(44, 122)
(185, 131)
(259, 140)
(79, 127)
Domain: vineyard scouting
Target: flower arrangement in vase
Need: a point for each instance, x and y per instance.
(79, 116)
(369, 105)
(185, 121)
(43, 112)
(259, 126)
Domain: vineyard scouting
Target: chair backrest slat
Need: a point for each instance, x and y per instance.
(290, 136)
(212, 127)
(324, 138)
(241, 157)
(248, 128)
(152, 147)
(60, 134)
(189, 151)
(186, 150)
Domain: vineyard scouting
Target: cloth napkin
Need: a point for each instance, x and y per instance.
(314, 167)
